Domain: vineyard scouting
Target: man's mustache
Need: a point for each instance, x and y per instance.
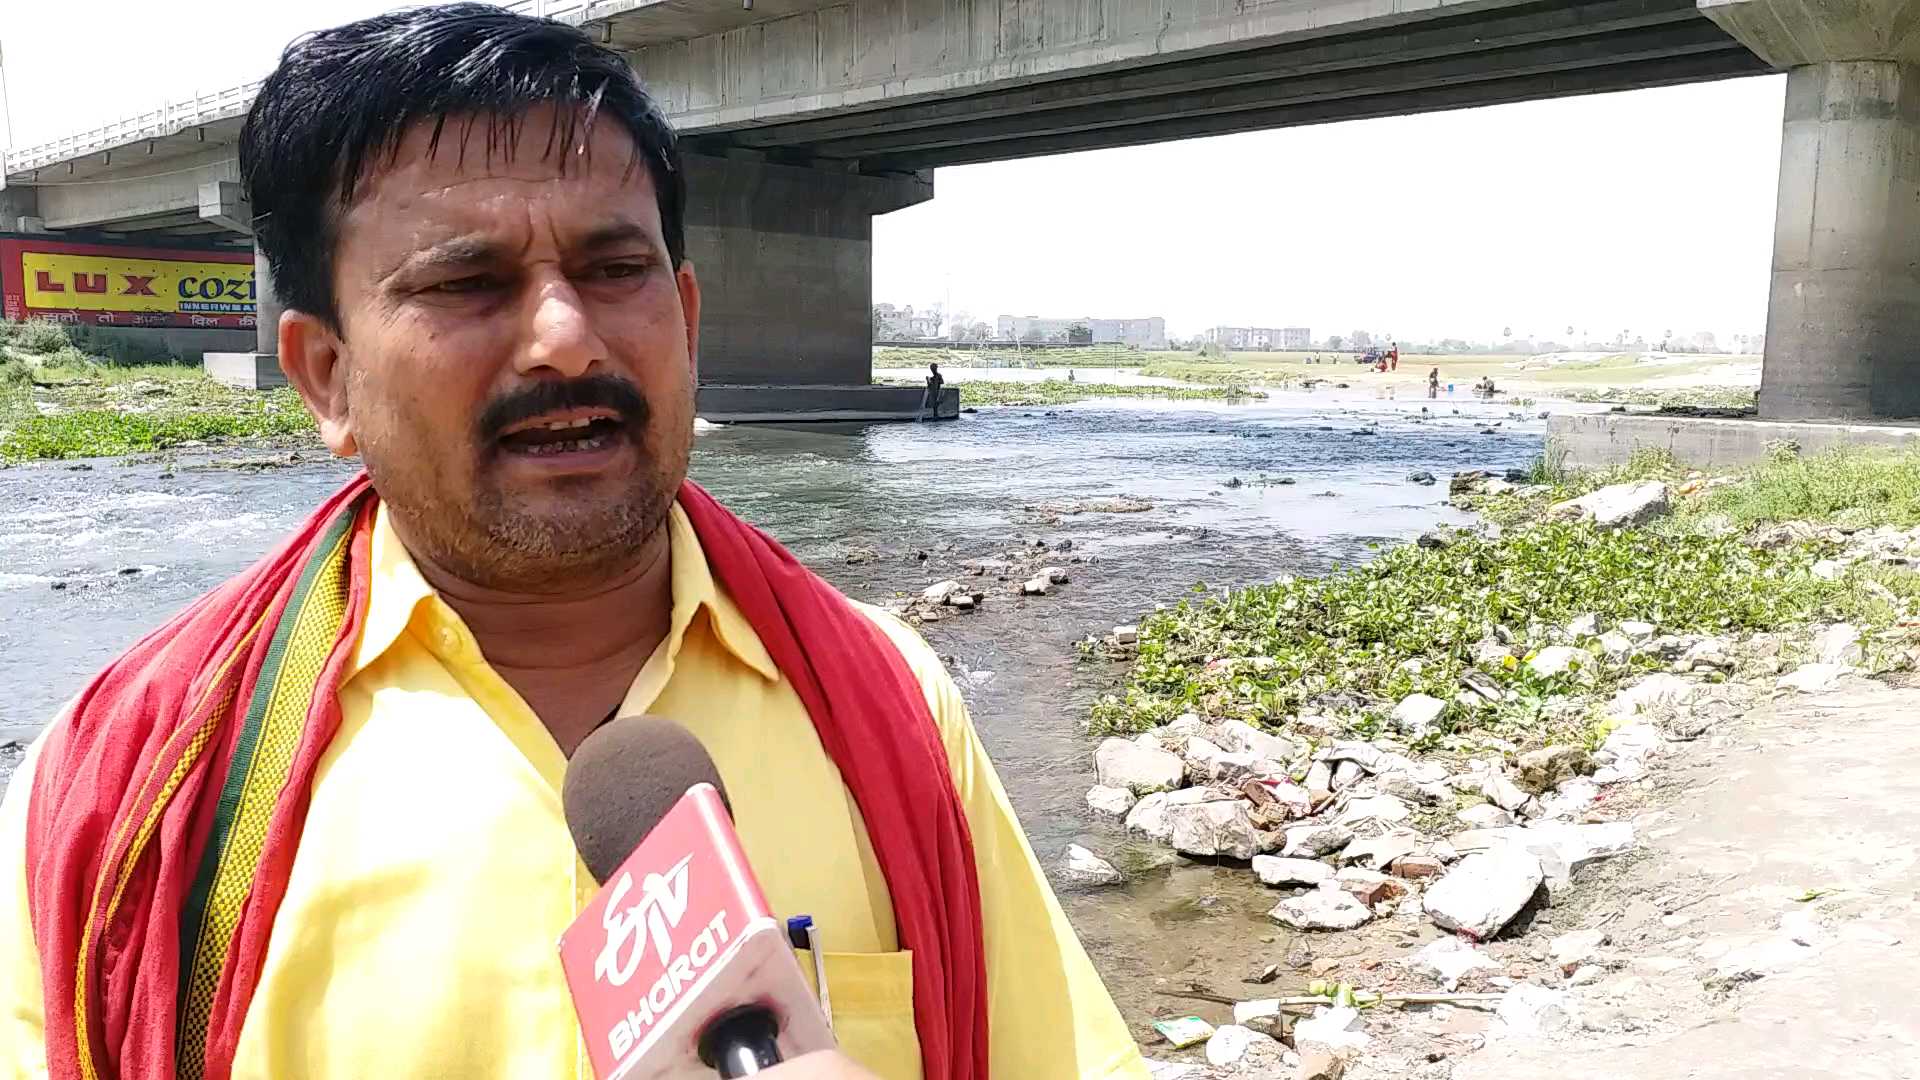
(592, 391)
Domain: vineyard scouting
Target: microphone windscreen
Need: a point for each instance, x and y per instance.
(622, 780)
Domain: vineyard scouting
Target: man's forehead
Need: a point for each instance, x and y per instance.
(466, 165)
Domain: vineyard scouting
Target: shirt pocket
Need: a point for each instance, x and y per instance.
(872, 999)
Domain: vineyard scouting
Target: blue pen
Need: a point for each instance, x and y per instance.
(803, 934)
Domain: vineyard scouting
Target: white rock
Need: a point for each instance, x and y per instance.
(1275, 870)
(1152, 740)
(1812, 678)
(1213, 829)
(1232, 1042)
(1558, 659)
(1838, 644)
(1148, 817)
(965, 602)
(1377, 852)
(1497, 486)
(938, 592)
(1055, 575)
(1634, 742)
(1585, 626)
(1036, 586)
(1382, 808)
(1314, 841)
(1637, 630)
(1829, 569)
(1572, 798)
(1484, 891)
(1592, 973)
(1111, 801)
(1177, 1070)
(1417, 713)
(1571, 950)
(1082, 867)
(1137, 768)
(1503, 792)
(1616, 645)
(1485, 816)
(1535, 1010)
(1448, 960)
(1407, 789)
(1652, 694)
(1327, 907)
(1128, 634)
(1189, 724)
(1258, 1009)
(1242, 737)
(1201, 755)
(1616, 506)
(1339, 1029)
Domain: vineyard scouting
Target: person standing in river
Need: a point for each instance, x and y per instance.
(312, 826)
(1433, 383)
(936, 385)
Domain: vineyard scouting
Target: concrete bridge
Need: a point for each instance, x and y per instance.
(805, 118)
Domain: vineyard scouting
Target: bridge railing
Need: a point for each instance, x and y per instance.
(174, 117)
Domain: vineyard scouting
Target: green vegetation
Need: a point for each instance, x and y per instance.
(1419, 618)
(58, 402)
(1859, 487)
(1707, 397)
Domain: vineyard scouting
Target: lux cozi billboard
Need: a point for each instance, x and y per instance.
(123, 285)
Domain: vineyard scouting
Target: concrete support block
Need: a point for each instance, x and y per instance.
(784, 255)
(225, 204)
(266, 306)
(19, 206)
(1794, 33)
(1843, 314)
(1598, 440)
(244, 370)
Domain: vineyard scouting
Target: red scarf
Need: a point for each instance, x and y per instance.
(132, 801)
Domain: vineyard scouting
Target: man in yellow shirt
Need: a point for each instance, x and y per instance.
(312, 827)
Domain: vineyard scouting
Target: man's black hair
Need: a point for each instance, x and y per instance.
(342, 99)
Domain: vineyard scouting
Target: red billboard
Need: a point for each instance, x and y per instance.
(111, 284)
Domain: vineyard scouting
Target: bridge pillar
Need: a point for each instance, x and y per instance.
(784, 254)
(1843, 310)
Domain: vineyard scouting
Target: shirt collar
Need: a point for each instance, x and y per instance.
(398, 589)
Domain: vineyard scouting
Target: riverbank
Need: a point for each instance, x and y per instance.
(1449, 744)
(66, 405)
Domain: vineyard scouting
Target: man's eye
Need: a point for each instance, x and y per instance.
(476, 283)
(617, 271)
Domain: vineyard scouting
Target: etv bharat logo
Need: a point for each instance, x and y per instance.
(662, 903)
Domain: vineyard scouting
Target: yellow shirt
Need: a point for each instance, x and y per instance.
(435, 873)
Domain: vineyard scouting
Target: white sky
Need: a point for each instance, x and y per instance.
(1646, 211)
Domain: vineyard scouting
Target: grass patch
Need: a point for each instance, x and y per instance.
(1857, 486)
(1008, 356)
(65, 404)
(1271, 652)
(1703, 397)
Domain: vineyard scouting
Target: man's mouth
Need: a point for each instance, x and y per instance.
(570, 431)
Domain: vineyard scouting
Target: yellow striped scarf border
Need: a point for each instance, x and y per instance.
(308, 630)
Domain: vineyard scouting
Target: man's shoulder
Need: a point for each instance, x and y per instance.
(941, 692)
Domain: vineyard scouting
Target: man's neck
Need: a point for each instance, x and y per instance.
(572, 653)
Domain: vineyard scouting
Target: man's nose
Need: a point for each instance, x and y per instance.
(560, 333)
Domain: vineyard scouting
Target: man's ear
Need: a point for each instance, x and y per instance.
(311, 354)
(690, 310)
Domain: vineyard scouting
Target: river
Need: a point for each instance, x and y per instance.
(92, 557)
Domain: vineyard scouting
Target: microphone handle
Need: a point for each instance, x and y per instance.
(741, 1042)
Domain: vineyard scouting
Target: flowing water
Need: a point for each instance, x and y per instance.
(91, 558)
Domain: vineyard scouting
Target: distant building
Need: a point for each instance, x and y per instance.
(1150, 333)
(1260, 338)
(1134, 333)
(903, 323)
